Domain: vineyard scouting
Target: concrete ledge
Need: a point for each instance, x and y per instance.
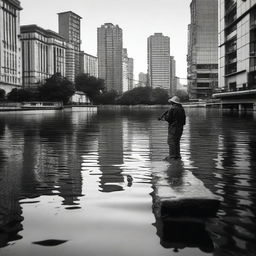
(193, 207)
(178, 193)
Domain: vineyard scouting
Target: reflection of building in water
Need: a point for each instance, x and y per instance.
(10, 186)
(111, 153)
(41, 157)
(158, 138)
(235, 175)
(204, 134)
(135, 141)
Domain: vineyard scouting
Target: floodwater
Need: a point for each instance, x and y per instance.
(77, 183)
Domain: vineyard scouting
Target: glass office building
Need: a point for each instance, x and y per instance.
(237, 45)
(202, 55)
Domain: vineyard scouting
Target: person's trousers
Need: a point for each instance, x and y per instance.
(174, 136)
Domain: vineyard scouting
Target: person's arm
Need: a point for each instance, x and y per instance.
(163, 116)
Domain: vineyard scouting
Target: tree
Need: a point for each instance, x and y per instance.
(159, 96)
(138, 95)
(2, 94)
(183, 95)
(90, 85)
(19, 95)
(106, 97)
(56, 88)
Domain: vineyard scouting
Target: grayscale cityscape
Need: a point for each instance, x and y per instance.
(128, 128)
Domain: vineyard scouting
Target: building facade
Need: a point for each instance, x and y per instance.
(43, 54)
(159, 61)
(88, 64)
(70, 30)
(130, 73)
(173, 79)
(10, 46)
(237, 45)
(110, 46)
(125, 71)
(143, 79)
(202, 55)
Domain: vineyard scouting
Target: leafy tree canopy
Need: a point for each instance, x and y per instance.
(56, 88)
(144, 95)
(2, 94)
(90, 85)
(183, 95)
(19, 95)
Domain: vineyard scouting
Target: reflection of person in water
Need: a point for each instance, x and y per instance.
(175, 175)
(176, 118)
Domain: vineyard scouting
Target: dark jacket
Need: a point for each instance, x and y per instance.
(176, 116)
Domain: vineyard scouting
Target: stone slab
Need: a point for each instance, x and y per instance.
(178, 193)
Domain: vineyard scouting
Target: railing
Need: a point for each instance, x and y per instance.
(231, 35)
(230, 20)
(231, 61)
(231, 49)
(229, 7)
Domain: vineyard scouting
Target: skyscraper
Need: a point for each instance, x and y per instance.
(202, 55)
(10, 46)
(159, 61)
(70, 30)
(173, 76)
(110, 46)
(130, 73)
(125, 70)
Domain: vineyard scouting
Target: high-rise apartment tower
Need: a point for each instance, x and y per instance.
(159, 61)
(70, 30)
(110, 46)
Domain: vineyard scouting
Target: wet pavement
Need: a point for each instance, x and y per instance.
(82, 184)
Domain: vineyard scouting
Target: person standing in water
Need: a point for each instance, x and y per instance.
(176, 119)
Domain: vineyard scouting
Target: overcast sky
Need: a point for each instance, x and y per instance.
(138, 18)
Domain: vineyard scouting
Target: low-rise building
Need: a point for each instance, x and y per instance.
(43, 54)
(79, 98)
(88, 64)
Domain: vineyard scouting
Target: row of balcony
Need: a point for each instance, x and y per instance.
(231, 49)
(230, 20)
(229, 6)
(231, 35)
(231, 61)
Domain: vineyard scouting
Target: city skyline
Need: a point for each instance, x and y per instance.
(140, 26)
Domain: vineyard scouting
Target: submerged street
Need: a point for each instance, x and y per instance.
(81, 183)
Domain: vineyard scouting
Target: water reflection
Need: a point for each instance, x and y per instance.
(40, 160)
(57, 171)
(111, 153)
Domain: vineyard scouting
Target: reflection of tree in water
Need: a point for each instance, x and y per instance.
(111, 152)
(44, 158)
